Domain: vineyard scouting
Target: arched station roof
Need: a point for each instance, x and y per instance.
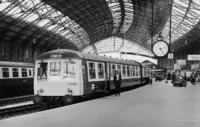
(84, 24)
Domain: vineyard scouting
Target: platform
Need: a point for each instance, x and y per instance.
(157, 105)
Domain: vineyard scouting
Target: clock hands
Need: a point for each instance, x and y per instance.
(161, 50)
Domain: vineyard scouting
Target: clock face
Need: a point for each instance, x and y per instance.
(160, 48)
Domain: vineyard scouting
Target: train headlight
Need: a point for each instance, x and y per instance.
(41, 90)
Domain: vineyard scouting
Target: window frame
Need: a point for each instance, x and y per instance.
(24, 72)
(96, 71)
(6, 71)
(14, 72)
(72, 75)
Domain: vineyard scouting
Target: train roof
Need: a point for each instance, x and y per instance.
(15, 64)
(142, 64)
(66, 53)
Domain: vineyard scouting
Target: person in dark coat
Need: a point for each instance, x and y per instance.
(173, 77)
(185, 76)
(150, 78)
(117, 82)
(192, 78)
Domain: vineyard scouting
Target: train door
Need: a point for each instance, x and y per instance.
(107, 68)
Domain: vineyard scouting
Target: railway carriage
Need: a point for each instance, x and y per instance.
(145, 73)
(16, 79)
(64, 75)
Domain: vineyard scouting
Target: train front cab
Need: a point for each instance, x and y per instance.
(57, 80)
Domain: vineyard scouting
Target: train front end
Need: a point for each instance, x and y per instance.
(57, 80)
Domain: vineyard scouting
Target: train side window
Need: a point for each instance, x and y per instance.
(100, 70)
(138, 71)
(133, 70)
(5, 72)
(124, 70)
(128, 71)
(24, 72)
(15, 72)
(55, 68)
(113, 70)
(92, 73)
(69, 69)
(119, 68)
(29, 72)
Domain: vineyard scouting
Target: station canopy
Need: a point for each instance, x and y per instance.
(101, 25)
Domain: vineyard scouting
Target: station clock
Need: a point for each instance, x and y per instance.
(160, 48)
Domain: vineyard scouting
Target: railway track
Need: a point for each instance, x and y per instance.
(20, 110)
(15, 100)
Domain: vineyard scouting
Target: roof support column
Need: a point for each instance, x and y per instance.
(121, 2)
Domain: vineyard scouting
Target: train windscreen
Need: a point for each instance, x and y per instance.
(42, 70)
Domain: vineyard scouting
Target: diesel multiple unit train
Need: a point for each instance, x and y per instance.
(16, 79)
(64, 75)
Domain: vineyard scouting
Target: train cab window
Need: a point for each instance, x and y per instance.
(128, 71)
(15, 72)
(100, 70)
(124, 70)
(5, 72)
(92, 73)
(24, 72)
(55, 68)
(42, 70)
(69, 69)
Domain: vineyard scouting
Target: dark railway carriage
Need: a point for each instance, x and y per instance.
(65, 74)
(16, 79)
(145, 74)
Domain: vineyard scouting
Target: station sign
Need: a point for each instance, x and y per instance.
(194, 57)
(170, 55)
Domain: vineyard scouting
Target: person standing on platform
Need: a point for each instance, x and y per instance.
(150, 78)
(117, 82)
(192, 78)
(173, 77)
(185, 76)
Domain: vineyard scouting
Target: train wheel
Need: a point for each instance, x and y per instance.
(67, 99)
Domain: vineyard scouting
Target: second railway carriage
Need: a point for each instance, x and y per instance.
(16, 79)
(65, 74)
